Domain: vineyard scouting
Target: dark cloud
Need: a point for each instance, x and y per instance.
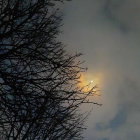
(124, 12)
(107, 13)
(104, 139)
(101, 126)
(118, 120)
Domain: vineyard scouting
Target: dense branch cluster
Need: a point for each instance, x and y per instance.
(39, 96)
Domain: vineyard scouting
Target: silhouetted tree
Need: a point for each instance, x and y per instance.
(39, 92)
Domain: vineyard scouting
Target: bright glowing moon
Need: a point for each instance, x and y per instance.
(88, 83)
(91, 81)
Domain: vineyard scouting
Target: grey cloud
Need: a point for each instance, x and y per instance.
(104, 139)
(118, 120)
(124, 12)
(101, 126)
(107, 13)
(130, 91)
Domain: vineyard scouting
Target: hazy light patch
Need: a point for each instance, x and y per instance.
(89, 81)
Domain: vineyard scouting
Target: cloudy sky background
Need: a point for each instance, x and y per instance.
(107, 32)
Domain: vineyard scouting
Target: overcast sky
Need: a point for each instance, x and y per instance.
(108, 33)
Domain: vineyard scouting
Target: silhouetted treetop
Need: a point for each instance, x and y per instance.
(39, 92)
